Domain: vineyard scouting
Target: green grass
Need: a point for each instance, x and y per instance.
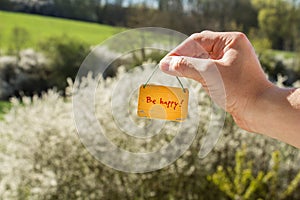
(41, 28)
(283, 54)
(4, 107)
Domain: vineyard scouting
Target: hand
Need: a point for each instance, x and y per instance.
(227, 67)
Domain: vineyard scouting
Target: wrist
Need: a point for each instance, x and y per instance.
(252, 107)
(273, 115)
(260, 108)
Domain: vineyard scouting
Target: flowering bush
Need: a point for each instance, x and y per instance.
(25, 73)
(41, 156)
(65, 55)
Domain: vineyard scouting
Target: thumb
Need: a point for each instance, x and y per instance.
(184, 66)
(204, 71)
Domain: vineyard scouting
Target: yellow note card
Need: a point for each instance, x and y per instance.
(162, 102)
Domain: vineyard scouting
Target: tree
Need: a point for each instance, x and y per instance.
(5, 5)
(170, 5)
(224, 15)
(75, 9)
(274, 21)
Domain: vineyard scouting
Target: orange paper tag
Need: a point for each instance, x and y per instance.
(161, 102)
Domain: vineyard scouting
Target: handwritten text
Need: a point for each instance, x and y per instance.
(168, 104)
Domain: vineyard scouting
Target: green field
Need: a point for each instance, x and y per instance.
(41, 28)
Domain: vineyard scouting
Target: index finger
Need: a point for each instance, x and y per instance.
(207, 44)
(217, 43)
(190, 48)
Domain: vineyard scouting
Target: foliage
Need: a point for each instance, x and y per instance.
(297, 62)
(4, 107)
(41, 156)
(69, 171)
(75, 9)
(259, 42)
(277, 63)
(244, 182)
(6, 5)
(18, 40)
(277, 20)
(66, 55)
(24, 74)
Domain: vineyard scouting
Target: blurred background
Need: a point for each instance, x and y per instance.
(43, 43)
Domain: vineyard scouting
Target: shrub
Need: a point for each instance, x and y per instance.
(244, 182)
(66, 55)
(34, 72)
(25, 74)
(275, 65)
(41, 156)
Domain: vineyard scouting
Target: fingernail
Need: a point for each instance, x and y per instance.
(165, 63)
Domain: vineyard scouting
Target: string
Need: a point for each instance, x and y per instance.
(152, 74)
(180, 84)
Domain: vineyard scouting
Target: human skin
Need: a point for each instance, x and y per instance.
(226, 65)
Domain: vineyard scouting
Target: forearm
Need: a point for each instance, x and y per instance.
(276, 114)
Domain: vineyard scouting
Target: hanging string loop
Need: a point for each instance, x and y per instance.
(152, 74)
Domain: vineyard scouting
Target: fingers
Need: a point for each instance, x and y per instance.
(204, 71)
(198, 45)
(190, 48)
(208, 44)
(209, 39)
(185, 66)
